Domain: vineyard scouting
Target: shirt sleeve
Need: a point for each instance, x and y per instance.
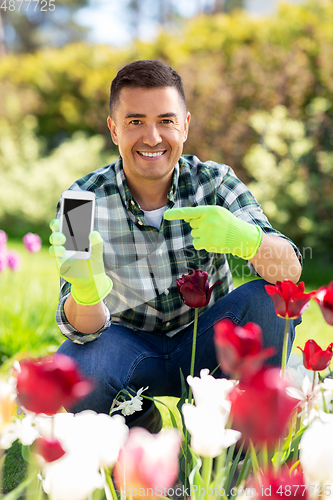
(66, 328)
(236, 197)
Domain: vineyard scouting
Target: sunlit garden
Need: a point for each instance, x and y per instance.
(28, 331)
(260, 95)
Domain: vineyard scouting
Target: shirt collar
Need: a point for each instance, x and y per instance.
(174, 184)
(124, 191)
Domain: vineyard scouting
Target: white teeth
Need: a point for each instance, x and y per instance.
(151, 155)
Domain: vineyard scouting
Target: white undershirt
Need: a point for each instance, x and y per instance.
(154, 217)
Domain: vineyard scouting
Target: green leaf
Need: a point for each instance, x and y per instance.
(291, 443)
(195, 478)
(182, 398)
(234, 462)
(17, 492)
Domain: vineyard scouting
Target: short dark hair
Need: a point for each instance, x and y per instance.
(148, 74)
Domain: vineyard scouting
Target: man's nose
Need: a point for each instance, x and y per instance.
(152, 136)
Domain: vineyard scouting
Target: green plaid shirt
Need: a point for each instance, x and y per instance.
(144, 262)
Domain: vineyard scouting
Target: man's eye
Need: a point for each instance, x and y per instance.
(135, 122)
(166, 121)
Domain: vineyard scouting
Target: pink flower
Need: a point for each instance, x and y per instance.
(14, 260)
(289, 299)
(3, 261)
(148, 462)
(324, 298)
(32, 242)
(47, 384)
(3, 241)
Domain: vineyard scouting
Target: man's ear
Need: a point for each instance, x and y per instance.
(186, 125)
(113, 130)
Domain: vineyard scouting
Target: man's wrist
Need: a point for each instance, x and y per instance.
(92, 293)
(86, 319)
(245, 239)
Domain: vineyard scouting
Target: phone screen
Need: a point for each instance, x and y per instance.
(76, 224)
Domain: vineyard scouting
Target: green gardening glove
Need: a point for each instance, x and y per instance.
(216, 229)
(89, 282)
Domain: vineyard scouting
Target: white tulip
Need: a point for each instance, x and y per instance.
(107, 437)
(316, 452)
(209, 437)
(73, 477)
(210, 391)
(93, 433)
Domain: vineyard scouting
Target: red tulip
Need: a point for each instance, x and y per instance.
(314, 357)
(239, 348)
(289, 299)
(281, 485)
(324, 298)
(261, 407)
(49, 449)
(45, 385)
(194, 288)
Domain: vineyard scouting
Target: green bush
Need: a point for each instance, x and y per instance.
(32, 183)
(232, 65)
(292, 176)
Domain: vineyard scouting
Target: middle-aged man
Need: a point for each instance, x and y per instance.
(160, 215)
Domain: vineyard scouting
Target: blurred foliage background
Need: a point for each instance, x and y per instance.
(260, 95)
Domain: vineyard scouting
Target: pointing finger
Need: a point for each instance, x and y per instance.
(186, 213)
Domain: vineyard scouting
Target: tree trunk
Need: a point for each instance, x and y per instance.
(2, 39)
(218, 6)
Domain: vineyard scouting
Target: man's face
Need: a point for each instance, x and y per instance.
(149, 126)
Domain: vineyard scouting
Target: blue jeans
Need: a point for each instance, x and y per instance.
(122, 358)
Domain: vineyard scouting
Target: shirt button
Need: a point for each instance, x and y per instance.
(166, 292)
(167, 324)
(160, 251)
(140, 222)
(132, 202)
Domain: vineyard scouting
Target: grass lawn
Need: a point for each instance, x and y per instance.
(27, 310)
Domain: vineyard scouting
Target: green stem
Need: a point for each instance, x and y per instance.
(2, 463)
(111, 485)
(207, 466)
(219, 462)
(194, 343)
(313, 380)
(285, 346)
(264, 452)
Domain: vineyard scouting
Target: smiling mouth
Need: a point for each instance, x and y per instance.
(156, 154)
